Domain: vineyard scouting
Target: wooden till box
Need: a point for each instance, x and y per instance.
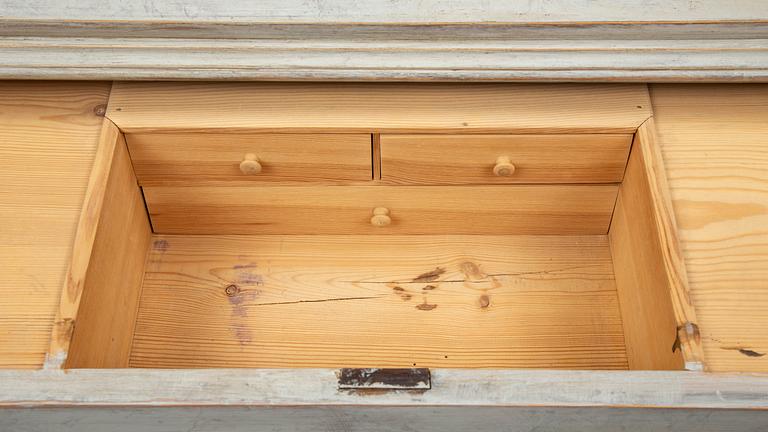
(286, 225)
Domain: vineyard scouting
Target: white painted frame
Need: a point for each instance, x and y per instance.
(475, 40)
(530, 40)
(308, 399)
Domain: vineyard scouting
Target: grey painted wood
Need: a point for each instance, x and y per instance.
(379, 419)
(450, 387)
(448, 59)
(388, 11)
(553, 40)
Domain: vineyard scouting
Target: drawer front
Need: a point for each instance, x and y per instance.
(503, 159)
(518, 209)
(182, 158)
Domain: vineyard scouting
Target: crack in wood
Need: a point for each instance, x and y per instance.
(316, 301)
(489, 275)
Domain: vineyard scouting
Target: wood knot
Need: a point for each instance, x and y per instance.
(485, 301)
(232, 290)
(100, 110)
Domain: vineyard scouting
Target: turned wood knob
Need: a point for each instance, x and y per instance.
(503, 167)
(381, 217)
(250, 164)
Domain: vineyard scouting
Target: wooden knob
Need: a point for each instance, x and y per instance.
(250, 164)
(503, 167)
(381, 217)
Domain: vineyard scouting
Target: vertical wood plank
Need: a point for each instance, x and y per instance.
(650, 275)
(48, 138)
(714, 139)
(94, 323)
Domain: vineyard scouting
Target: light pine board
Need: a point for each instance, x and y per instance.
(714, 139)
(470, 159)
(48, 137)
(384, 107)
(498, 209)
(650, 327)
(399, 301)
(101, 299)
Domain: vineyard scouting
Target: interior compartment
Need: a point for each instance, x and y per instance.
(198, 285)
(361, 225)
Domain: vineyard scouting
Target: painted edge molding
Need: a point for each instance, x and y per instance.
(319, 387)
(276, 11)
(717, 51)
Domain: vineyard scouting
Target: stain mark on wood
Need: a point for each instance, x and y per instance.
(745, 351)
(242, 333)
(484, 301)
(401, 292)
(426, 306)
(384, 379)
(238, 300)
(429, 288)
(472, 270)
(160, 245)
(429, 276)
(246, 275)
(750, 353)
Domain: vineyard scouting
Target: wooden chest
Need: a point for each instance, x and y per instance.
(481, 250)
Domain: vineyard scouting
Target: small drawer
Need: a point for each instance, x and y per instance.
(502, 159)
(521, 209)
(184, 158)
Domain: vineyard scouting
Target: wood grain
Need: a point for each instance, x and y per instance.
(103, 310)
(515, 209)
(87, 228)
(642, 277)
(202, 158)
(713, 139)
(688, 335)
(469, 159)
(48, 137)
(377, 107)
(399, 301)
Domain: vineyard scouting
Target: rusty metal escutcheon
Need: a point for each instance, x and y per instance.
(385, 379)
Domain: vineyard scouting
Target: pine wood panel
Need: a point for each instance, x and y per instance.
(714, 140)
(518, 209)
(199, 158)
(100, 303)
(470, 159)
(398, 301)
(642, 277)
(381, 107)
(48, 137)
